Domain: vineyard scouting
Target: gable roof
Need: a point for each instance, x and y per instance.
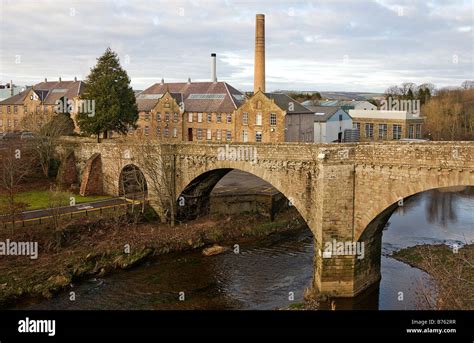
(196, 96)
(323, 113)
(48, 92)
(283, 101)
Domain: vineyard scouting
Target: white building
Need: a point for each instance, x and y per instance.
(330, 123)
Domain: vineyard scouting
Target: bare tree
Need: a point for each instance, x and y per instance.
(16, 163)
(48, 130)
(158, 162)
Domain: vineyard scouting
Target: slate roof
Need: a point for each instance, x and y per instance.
(283, 101)
(323, 113)
(221, 97)
(48, 92)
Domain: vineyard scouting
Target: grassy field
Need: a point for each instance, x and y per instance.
(41, 199)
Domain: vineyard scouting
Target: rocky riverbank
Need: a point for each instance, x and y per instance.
(88, 249)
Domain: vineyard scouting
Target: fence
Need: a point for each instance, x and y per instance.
(89, 213)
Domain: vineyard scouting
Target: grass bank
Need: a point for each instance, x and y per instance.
(42, 199)
(451, 271)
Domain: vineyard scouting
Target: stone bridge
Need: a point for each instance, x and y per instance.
(344, 192)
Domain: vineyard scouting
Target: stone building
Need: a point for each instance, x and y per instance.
(188, 111)
(37, 104)
(263, 117)
(380, 125)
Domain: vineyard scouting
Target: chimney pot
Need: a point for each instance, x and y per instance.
(189, 80)
(60, 79)
(45, 80)
(162, 81)
(11, 88)
(259, 72)
(75, 78)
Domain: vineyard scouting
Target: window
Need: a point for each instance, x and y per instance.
(219, 118)
(273, 119)
(418, 131)
(397, 131)
(167, 105)
(9, 122)
(147, 130)
(199, 117)
(218, 135)
(340, 117)
(199, 134)
(228, 135)
(245, 136)
(209, 117)
(258, 136)
(1, 122)
(1, 109)
(259, 104)
(209, 134)
(190, 117)
(383, 129)
(229, 118)
(158, 131)
(356, 126)
(147, 116)
(258, 118)
(369, 130)
(245, 118)
(15, 122)
(167, 117)
(8, 109)
(166, 132)
(411, 131)
(175, 117)
(15, 109)
(158, 116)
(175, 132)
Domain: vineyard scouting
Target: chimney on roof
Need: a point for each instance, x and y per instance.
(189, 80)
(60, 79)
(259, 72)
(162, 81)
(213, 68)
(11, 87)
(75, 78)
(45, 80)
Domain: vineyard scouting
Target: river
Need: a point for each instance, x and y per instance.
(274, 272)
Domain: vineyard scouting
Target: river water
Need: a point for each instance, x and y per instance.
(274, 272)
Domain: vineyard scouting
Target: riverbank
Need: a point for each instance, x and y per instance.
(94, 249)
(452, 275)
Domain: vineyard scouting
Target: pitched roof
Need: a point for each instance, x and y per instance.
(323, 113)
(48, 92)
(283, 101)
(196, 96)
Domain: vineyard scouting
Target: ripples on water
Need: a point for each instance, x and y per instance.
(265, 272)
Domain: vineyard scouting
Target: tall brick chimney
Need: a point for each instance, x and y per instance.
(259, 73)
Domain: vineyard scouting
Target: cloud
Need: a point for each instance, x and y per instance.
(310, 45)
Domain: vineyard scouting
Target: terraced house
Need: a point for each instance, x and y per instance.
(37, 104)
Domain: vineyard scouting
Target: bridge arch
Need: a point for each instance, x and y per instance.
(394, 190)
(132, 181)
(194, 197)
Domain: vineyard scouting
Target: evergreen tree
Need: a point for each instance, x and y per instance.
(115, 106)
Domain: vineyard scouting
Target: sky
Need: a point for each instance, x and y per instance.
(336, 45)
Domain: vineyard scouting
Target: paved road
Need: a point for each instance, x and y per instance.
(82, 207)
